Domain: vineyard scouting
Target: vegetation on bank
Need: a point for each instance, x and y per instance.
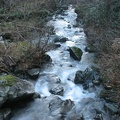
(23, 35)
(101, 20)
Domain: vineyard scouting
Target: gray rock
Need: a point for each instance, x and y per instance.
(33, 73)
(83, 76)
(79, 77)
(14, 90)
(75, 53)
(57, 90)
(87, 109)
(60, 39)
(87, 77)
(57, 45)
(64, 39)
(5, 114)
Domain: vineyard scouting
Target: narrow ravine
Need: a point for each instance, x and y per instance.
(61, 98)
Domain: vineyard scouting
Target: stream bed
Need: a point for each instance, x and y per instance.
(61, 98)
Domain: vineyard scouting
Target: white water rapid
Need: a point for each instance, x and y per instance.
(64, 26)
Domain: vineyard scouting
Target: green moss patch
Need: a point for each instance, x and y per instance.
(7, 80)
(77, 51)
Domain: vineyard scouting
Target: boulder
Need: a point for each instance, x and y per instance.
(14, 91)
(79, 78)
(60, 39)
(5, 114)
(46, 58)
(83, 76)
(88, 109)
(57, 90)
(52, 82)
(75, 53)
(57, 45)
(90, 48)
(87, 78)
(64, 39)
(33, 73)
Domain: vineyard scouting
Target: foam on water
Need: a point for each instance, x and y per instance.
(64, 26)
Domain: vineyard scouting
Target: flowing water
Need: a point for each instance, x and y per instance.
(63, 68)
(61, 59)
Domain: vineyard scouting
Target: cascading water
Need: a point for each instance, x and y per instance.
(60, 74)
(64, 26)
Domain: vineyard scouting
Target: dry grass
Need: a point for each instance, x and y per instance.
(25, 22)
(107, 57)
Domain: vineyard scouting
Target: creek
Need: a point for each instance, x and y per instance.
(61, 98)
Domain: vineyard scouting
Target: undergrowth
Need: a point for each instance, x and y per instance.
(101, 20)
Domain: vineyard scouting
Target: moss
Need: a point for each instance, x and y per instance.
(77, 51)
(7, 80)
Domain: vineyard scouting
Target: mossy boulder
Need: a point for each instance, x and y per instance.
(14, 91)
(75, 53)
(7, 80)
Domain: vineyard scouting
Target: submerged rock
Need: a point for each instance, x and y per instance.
(14, 90)
(75, 53)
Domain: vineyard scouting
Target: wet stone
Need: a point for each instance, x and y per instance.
(33, 73)
(75, 53)
(57, 90)
(87, 78)
(57, 45)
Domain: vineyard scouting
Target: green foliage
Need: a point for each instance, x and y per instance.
(101, 13)
(7, 80)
